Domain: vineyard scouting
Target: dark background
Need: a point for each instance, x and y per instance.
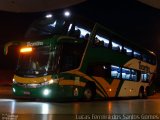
(133, 20)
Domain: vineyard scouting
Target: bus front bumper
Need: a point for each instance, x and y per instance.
(54, 91)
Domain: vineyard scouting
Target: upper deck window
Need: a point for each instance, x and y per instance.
(105, 40)
(144, 58)
(116, 46)
(83, 32)
(128, 51)
(137, 54)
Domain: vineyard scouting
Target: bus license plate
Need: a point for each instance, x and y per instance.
(26, 93)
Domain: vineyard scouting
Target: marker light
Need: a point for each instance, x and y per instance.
(14, 81)
(27, 49)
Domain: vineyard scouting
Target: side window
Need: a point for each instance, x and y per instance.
(96, 70)
(102, 37)
(138, 76)
(134, 75)
(128, 51)
(145, 77)
(144, 58)
(103, 40)
(115, 71)
(78, 31)
(99, 70)
(149, 59)
(116, 46)
(126, 74)
(71, 56)
(83, 32)
(153, 60)
(137, 54)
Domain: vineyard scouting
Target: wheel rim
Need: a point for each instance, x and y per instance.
(88, 93)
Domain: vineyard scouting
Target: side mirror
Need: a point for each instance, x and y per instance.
(7, 45)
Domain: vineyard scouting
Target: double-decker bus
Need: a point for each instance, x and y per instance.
(70, 57)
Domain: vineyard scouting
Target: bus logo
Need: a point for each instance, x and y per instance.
(34, 43)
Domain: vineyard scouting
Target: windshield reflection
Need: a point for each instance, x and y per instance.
(37, 62)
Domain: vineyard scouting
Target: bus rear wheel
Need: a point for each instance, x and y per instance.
(141, 94)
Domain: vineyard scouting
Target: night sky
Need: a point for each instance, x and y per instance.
(133, 20)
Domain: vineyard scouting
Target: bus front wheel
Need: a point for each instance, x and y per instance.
(89, 92)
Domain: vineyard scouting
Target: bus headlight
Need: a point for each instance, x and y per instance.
(53, 81)
(46, 92)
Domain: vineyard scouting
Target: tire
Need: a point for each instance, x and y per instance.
(141, 94)
(88, 94)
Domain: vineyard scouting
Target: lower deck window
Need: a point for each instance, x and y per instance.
(133, 75)
(115, 71)
(145, 77)
(112, 71)
(126, 73)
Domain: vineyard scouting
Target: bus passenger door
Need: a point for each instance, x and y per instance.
(101, 73)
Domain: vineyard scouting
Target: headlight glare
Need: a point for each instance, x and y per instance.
(46, 92)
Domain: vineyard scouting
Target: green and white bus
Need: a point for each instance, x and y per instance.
(67, 57)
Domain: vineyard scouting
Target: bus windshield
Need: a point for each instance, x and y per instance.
(43, 60)
(38, 62)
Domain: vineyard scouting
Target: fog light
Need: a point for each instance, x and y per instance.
(46, 92)
(14, 90)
